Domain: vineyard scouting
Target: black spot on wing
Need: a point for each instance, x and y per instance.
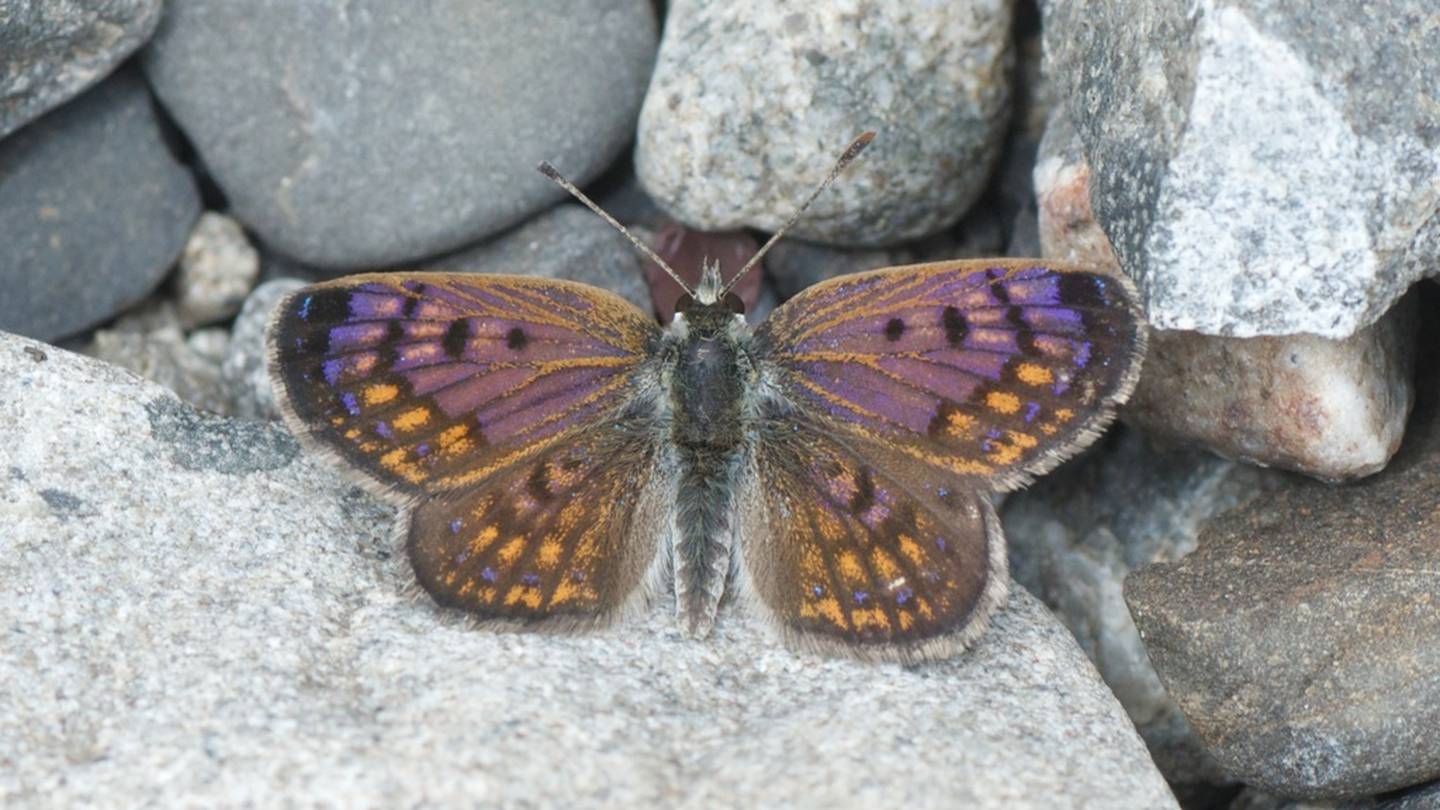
(1085, 293)
(894, 329)
(456, 337)
(323, 306)
(515, 339)
(955, 326)
(864, 496)
(538, 484)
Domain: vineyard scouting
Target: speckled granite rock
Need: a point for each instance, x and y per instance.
(192, 596)
(1262, 168)
(1077, 533)
(93, 211)
(367, 135)
(218, 269)
(1302, 639)
(50, 50)
(1333, 409)
(751, 104)
(567, 242)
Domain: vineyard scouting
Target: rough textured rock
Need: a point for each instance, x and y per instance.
(51, 50)
(363, 135)
(1334, 409)
(218, 269)
(566, 242)
(193, 596)
(1302, 639)
(247, 381)
(1262, 168)
(751, 104)
(152, 343)
(1078, 532)
(93, 211)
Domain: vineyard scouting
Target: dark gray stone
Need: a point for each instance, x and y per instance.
(1262, 168)
(244, 372)
(1302, 638)
(93, 211)
(567, 242)
(1077, 533)
(360, 135)
(51, 50)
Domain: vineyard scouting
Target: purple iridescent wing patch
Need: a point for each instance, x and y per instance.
(430, 382)
(988, 369)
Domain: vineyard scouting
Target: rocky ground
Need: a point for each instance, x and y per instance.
(1230, 602)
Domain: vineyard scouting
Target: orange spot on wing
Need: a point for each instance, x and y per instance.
(911, 550)
(512, 550)
(1002, 401)
(549, 553)
(381, 393)
(884, 564)
(850, 568)
(874, 617)
(483, 540)
(1031, 374)
(827, 610)
(524, 594)
(959, 424)
(412, 419)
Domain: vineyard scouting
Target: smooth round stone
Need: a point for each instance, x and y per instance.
(751, 103)
(1301, 638)
(94, 210)
(246, 378)
(360, 135)
(217, 270)
(567, 242)
(51, 50)
(1077, 533)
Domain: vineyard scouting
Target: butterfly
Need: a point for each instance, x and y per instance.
(565, 457)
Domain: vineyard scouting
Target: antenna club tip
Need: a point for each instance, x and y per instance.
(548, 170)
(857, 146)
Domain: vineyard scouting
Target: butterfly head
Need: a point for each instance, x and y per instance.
(711, 303)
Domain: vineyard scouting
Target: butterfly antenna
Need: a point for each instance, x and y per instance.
(851, 152)
(554, 174)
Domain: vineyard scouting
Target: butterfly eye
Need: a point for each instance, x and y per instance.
(685, 304)
(734, 304)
